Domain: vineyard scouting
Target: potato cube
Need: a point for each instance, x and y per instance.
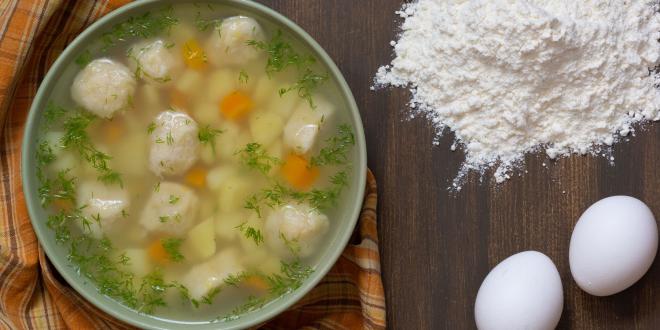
(200, 241)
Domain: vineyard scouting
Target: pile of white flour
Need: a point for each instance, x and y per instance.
(514, 76)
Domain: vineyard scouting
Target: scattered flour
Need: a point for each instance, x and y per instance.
(515, 76)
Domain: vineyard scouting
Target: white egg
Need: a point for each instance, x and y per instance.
(522, 292)
(613, 245)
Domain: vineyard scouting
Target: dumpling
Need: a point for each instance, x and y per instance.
(203, 278)
(153, 61)
(103, 87)
(229, 44)
(101, 205)
(171, 209)
(302, 129)
(174, 145)
(295, 228)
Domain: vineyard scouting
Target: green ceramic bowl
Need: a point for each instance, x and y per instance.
(347, 214)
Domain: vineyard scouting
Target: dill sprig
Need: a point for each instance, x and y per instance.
(236, 279)
(76, 138)
(251, 233)
(207, 135)
(145, 26)
(252, 203)
(336, 150)
(255, 157)
(53, 114)
(173, 248)
(61, 187)
(292, 276)
(291, 244)
(204, 24)
(306, 85)
(281, 56)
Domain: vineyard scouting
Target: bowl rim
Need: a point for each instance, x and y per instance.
(113, 307)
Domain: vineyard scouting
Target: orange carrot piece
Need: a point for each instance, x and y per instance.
(256, 282)
(193, 55)
(196, 177)
(298, 172)
(178, 99)
(157, 252)
(236, 105)
(113, 131)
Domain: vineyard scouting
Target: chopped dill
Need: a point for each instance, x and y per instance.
(306, 85)
(252, 203)
(163, 218)
(61, 187)
(336, 150)
(291, 244)
(207, 135)
(151, 128)
(281, 56)
(236, 279)
(292, 276)
(203, 24)
(243, 77)
(251, 233)
(157, 187)
(172, 247)
(53, 113)
(152, 292)
(84, 58)
(76, 138)
(174, 199)
(208, 298)
(144, 26)
(255, 157)
(169, 138)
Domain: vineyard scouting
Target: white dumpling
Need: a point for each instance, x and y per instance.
(174, 144)
(229, 44)
(295, 228)
(203, 278)
(153, 61)
(302, 129)
(103, 87)
(171, 209)
(102, 205)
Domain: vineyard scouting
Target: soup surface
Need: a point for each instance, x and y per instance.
(192, 160)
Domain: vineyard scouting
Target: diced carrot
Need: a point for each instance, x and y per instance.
(256, 282)
(157, 252)
(236, 105)
(196, 177)
(193, 55)
(178, 99)
(113, 131)
(298, 172)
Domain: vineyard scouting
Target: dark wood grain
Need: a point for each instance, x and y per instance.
(437, 246)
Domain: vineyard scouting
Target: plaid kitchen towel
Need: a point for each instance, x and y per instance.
(32, 294)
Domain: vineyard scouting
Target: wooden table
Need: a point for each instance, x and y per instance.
(437, 246)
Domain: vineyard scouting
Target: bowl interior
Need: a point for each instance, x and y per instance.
(346, 214)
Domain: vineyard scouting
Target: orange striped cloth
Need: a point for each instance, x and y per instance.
(32, 294)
